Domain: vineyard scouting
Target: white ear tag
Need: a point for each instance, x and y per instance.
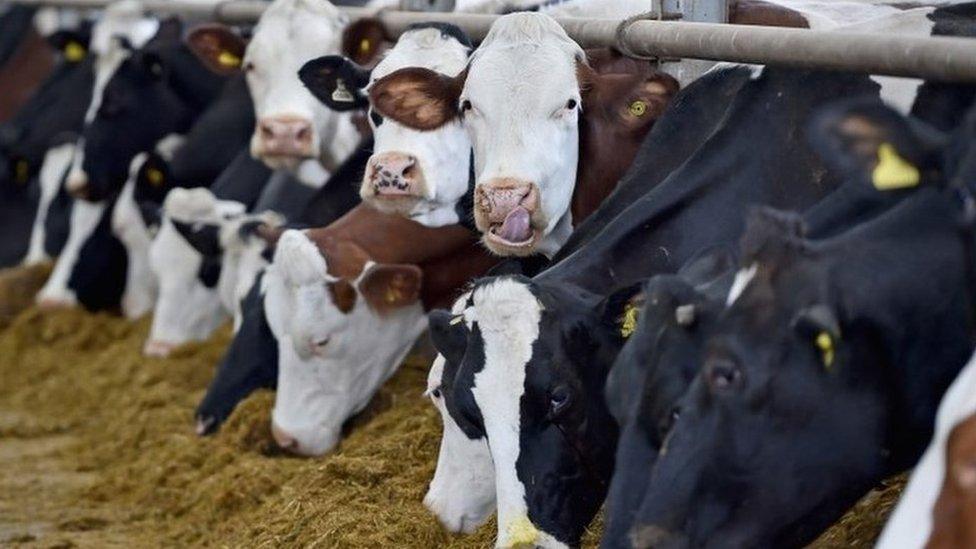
(341, 93)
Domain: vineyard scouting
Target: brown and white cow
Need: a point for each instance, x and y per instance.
(346, 302)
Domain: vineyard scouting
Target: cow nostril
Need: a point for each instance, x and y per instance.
(409, 171)
(284, 440)
(266, 131)
(303, 134)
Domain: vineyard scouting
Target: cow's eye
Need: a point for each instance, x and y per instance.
(465, 106)
(571, 104)
(248, 67)
(436, 393)
(723, 375)
(376, 118)
(559, 400)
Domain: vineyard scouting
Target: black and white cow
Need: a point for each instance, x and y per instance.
(826, 366)
(525, 367)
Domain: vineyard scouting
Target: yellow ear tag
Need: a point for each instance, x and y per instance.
(154, 176)
(638, 108)
(228, 59)
(628, 323)
(893, 171)
(74, 52)
(392, 295)
(457, 320)
(826, 345)
(365, 46)
(21, 171)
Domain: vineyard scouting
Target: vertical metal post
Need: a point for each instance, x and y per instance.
(694, 11)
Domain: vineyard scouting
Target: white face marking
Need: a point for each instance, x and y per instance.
(508, 316)
(186, 310)
(56, 162)
(519, 84)
(128, 226)
(462, 493)
(330, 363)
(290, 33)
(84, 219)
(443, 155)
(740, 283)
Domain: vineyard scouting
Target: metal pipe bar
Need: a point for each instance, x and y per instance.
(936, 58)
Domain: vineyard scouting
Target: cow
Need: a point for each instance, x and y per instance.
(49, 118)
(291, 124)
(669, 320)
(861, 354)
(545, 344)
(520, 100)
(934, 505)
(396, 178)
(251, 361)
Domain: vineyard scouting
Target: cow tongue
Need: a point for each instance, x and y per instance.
(516, 226)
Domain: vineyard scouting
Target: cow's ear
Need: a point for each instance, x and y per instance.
(620, 310)
(449, 334)
(866, 140)
(818, 324)
(337, 82)
(388, 287)
(418, 98)
(170, 30)
(644, 100)
(218, 48)
(72, 45)
(364, 40)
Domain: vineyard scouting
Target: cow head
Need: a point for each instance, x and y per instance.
(185, 257)
(422, 175)
(291, 124)
(139, 100)
(523, 371)
(343, 323)
(462, 493)
(520, 101)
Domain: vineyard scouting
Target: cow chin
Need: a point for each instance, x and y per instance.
(403, 205)
(499, 246)
(289, 163)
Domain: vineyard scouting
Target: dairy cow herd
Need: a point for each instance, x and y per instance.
(721, 309)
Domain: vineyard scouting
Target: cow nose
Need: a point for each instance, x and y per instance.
(206, 425)
(284, 440)
(77, 184)
(158, 349)
(286, 136)
(394, 174)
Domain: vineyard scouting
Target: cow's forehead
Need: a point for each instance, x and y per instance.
(296, 28)
(429, 48)
(505, 305)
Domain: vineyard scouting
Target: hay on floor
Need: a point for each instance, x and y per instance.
(150, 481)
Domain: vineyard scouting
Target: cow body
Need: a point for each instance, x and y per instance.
(564, 313)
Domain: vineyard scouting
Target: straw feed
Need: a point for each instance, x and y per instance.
(18, 286)
(98, 451)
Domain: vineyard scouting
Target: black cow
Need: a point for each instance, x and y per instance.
(546, 344)
(823, 373)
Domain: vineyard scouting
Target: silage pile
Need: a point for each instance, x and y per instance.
(155, 483)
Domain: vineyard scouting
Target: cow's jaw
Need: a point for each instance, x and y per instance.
(330, 362)
(508, 318)
(520, 84)
(129, 227)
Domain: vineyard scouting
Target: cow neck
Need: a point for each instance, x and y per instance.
(449, 256)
